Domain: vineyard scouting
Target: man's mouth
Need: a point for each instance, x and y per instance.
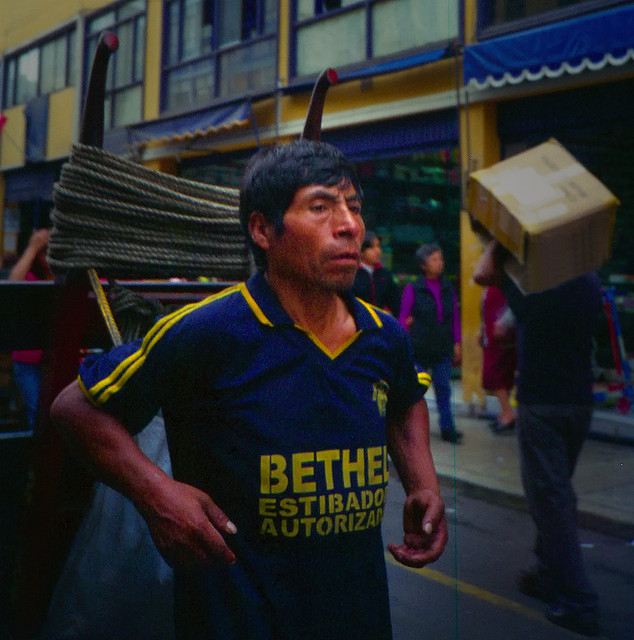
(347, 261)
(346, 256)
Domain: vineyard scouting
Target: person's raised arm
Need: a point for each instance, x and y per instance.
(424, 522)
(185, 524)
(37, 243)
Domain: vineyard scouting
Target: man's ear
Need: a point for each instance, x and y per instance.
(259, 230)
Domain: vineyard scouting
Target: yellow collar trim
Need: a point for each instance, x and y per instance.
(372, 310)
(331, 354)
(253, 305)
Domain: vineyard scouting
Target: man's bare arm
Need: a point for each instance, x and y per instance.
(186, 525)
(424, 522)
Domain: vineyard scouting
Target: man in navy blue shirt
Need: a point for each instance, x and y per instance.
(282, 398)
(554, 394)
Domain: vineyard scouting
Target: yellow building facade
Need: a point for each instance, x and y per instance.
(416, 107)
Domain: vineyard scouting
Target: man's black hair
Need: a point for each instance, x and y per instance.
(275, 174)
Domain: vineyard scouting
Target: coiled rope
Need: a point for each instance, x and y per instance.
(128, 221)
(134, 313)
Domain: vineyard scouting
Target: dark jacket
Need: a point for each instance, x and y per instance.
(555, 330)
(386, 294)
(431, 340)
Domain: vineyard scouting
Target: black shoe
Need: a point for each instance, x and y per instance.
(499, 428)
(536, 583)
(455, 437)
(577, 616)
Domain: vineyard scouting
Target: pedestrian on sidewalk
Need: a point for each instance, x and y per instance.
(27, 363)
(429, 312)
(374, 283)
(497, 338)
(282, 397)
(554, 393)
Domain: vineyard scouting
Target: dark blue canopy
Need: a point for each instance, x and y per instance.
(191, 124)
(588, 42)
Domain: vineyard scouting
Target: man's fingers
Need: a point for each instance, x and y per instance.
(425, 543)
(414, 557)
(433, 517)
(189, 528)
(219, 524)
(204, 546)
(214, 546)
(423, 515)
(218, 517)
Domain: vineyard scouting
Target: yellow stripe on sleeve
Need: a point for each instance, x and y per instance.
(424, 379)
(105, 388)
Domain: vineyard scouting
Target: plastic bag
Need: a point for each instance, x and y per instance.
(115, 584)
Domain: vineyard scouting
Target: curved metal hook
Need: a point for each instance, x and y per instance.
(91, 131)
(312, 127)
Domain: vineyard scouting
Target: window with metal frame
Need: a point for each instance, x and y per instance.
(40, 69)
(343, 33)
(124, 85)
(497, 17)
(216, 49)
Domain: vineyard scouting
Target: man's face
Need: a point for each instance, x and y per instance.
(319, 247)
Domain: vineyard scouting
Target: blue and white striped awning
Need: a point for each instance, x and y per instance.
(587, 43)
(190, 125)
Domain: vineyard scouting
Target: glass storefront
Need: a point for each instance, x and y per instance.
(410, 200)
(601, 140)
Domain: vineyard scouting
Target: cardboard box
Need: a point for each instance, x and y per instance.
(553, 215)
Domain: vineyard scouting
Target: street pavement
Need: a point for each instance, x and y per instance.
(487, 465)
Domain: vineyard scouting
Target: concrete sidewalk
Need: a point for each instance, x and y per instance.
(488, 465)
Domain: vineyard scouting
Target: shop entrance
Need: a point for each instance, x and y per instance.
(601, 138)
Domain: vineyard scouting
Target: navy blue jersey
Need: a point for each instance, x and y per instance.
(289, 439)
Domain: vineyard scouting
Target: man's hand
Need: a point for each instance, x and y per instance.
(425, 528)
(187, 526)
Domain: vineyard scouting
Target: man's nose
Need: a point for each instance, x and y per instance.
(348, 222)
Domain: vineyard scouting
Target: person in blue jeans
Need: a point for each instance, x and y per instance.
(429, 312)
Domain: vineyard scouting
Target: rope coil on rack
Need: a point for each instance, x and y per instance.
(126, 220)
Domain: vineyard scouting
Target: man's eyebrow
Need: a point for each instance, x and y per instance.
(324, 194)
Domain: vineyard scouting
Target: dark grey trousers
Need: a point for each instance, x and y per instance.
(550, 440)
